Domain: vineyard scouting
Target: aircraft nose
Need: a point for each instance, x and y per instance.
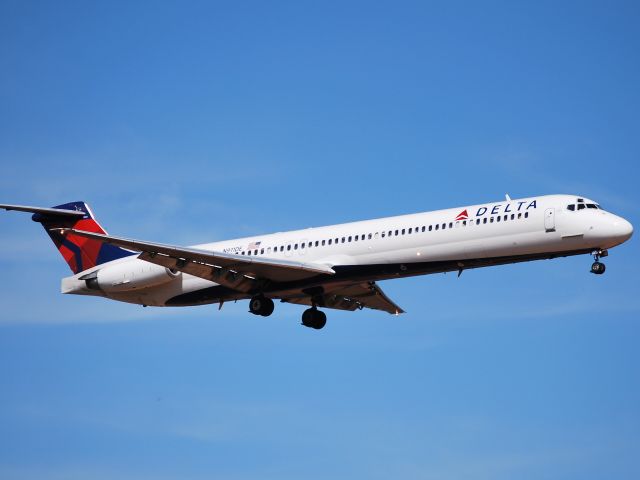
(623, 229)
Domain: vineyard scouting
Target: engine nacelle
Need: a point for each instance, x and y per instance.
(129, 276)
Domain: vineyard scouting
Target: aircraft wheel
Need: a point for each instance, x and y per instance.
(267, 307)
(598, 268)
(261, 305)
(314, 318)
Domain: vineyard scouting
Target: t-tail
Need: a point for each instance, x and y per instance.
(80, 253)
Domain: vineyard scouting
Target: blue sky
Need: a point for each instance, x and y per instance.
(191, 122)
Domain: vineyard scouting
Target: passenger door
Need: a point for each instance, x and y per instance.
(550, 220)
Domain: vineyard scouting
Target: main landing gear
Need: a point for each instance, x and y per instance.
(261, 305)
(598, 267)
(314, 318)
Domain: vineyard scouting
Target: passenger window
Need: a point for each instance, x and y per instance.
(491, 220)
(513, 216)
(397, 232)
(423, 228)
(262, 251)
(343, 239)
(269, 250)
(288, 247)
(464, 223)
(349, 240)
(506, 217)
(498, 218)
(410, 230)
(437, 226)
(526, 214)
(369, 236)
(382, 234)
(330, 241)
(403, 231)
(430, 228)
(295, 247)
(519, 216)
(444, 225)
(362, 236)
(323, 243)
(450, 224)
(484, 220)
(477, 221)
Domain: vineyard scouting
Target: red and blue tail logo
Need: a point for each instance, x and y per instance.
(80, 253)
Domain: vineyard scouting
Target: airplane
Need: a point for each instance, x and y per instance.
(326, 267)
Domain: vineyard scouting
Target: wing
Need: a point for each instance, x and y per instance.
(238, 272)
(352, 297)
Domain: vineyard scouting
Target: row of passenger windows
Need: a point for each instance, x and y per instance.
(389, 233)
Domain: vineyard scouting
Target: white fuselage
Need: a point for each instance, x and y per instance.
(443, 240)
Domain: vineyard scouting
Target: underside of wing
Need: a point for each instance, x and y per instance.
(234, 271)
(350, 297)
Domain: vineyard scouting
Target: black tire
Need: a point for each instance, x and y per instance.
(314, 318)
(256, 304)
(307, 317)
(320, 319)
(598, 268)
(267, 307)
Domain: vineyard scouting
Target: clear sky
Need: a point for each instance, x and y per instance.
(186, 122)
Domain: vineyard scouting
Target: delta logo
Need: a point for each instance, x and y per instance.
(463, 215)
(519, 206)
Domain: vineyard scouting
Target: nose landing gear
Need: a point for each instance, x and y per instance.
(598, 267)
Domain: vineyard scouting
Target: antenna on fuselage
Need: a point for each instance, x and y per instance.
(506, 195)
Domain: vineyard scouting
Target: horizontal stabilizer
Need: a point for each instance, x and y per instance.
(43, 211)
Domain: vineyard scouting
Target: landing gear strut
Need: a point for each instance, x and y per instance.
(314, 318)
(261, 305)
(598, 267)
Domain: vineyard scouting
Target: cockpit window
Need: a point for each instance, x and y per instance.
(581, 206)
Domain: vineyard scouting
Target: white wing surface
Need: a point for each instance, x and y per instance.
(235, 271)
